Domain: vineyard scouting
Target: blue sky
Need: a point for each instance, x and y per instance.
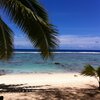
(78, 22)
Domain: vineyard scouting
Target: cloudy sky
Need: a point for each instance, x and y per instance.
(78, 22)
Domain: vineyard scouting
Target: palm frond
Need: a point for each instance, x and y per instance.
(98, 71)
(41, 33)
(6, 41)
(88, 71)
(36, 7)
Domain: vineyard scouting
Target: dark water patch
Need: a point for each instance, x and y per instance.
(3, 71)
(39, 62)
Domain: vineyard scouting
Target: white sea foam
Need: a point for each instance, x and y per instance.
(64, 52)
(26, 52)
(80, 52)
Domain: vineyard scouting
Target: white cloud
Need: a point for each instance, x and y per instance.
(66, 42)
(79, 42)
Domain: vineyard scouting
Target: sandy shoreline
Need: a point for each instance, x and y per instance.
(43, 81)
(54, 79)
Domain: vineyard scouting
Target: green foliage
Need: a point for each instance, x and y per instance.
(6, 41)
(98, 72)
(31, 17)
(88, 71)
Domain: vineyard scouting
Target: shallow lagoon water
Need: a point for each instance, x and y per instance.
(62, 63)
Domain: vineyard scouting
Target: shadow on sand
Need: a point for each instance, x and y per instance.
(52, 93)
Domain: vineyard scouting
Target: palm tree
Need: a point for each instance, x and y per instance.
(31, 17)
(90, 71)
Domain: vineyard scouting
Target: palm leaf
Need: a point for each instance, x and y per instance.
(36, 7)
(6, 46)
(41, 33)
(89, 71)
(98, 71)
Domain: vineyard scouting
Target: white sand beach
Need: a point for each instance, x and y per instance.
(53, 80)
(43, 81)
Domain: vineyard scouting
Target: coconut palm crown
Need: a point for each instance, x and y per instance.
(32, 18)
(90, 71)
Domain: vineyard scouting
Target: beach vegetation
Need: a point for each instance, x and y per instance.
(89, 70)
(32, 19)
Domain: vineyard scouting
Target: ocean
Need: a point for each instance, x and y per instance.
(64, 61)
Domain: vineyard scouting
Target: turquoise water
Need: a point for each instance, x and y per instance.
(62, 62)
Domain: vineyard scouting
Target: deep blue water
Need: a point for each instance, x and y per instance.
(62, 62)
(57, 50)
